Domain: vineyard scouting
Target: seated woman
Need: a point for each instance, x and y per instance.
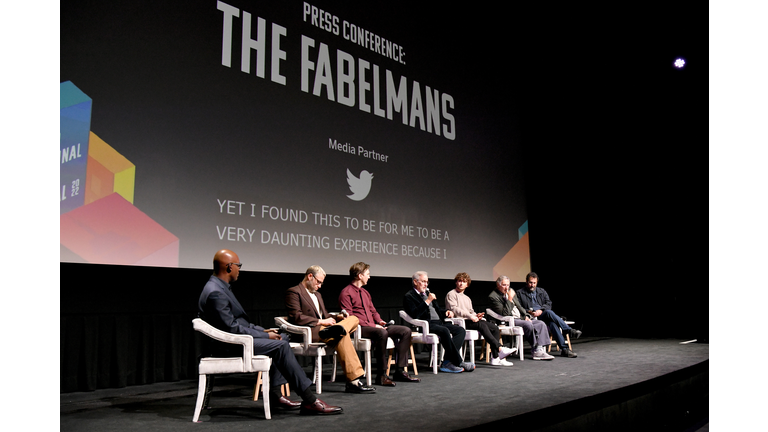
(461, 306)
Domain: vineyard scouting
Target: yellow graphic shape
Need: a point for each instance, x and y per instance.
(516, 264)
(108, 172)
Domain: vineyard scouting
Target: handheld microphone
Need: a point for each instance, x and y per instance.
(344, 312)
(391, 322)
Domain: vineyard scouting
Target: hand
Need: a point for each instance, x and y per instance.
(480, 315)
(536, 313)
(449, 314)
(327, 322)
(475, 318)
(274, 336)
(431, 297)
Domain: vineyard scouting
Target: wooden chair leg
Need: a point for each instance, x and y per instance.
(285, 389)
(413, 362)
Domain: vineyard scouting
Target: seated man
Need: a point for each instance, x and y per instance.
(357, 301)
(536, 301)
(461, 305)
(306, 308)
(219, 307)
(505, 303)
(419, 303)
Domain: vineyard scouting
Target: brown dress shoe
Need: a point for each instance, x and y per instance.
(284, 403)
(403, 376)
(384, 380)
(319, 408)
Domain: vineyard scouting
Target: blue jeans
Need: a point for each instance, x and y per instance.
(555, 323)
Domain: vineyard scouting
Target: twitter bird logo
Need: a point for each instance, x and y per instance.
(359, 186)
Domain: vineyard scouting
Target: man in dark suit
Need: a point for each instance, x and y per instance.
(219, 307)
(306, 308)
(419, 303)
(536, 301)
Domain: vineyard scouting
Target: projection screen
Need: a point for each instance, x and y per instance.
(292, 133)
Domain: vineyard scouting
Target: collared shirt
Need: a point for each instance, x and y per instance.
(357, 301)
(314, 300)
(534, 303)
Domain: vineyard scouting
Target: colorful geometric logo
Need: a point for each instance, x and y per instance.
(99, 223)
(516, 264)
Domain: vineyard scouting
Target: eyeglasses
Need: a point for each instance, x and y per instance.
(423, 282)
(239, 265)
(319, 282)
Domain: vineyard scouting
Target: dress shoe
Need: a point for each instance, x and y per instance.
(384, 380)
(360, 387)
(575, 334)
(334, 332)
(319, 408)
(404, 377)
(284, 403)
(568, 353)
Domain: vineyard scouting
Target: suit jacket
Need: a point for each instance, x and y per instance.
(219, 307)
(417, 308)
(504, 307)
(301, 309)
(541, 297)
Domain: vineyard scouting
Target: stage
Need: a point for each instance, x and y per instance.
(624, 384)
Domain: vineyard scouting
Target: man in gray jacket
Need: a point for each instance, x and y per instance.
(505, 303)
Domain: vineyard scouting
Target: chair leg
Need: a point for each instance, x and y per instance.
(413, 362)
(368, 368)
(265, 391)
(520, 350)
(319, 374)
(333, 375)
(390, 361)
(201, 388)
(434, 356)
(258, 387)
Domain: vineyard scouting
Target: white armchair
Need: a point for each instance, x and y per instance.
(247, 363)
(423, 337)
(469, 339)
(508, 328)
(306, 348)
(363, 345)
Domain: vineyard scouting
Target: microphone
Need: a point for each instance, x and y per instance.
(344, 312)
(391, 322)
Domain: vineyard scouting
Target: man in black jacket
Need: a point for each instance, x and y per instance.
(419, 303)
(537, 303)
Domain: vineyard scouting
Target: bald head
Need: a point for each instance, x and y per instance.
(226, 265)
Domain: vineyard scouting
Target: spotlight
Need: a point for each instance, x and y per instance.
(679, 63)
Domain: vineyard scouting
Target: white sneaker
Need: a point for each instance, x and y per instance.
(541, 354)
(504, 352)
(500, 362)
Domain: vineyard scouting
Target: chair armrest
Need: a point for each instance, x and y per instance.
(305, 331)
(236, 339)
(457, 321)
(508, 319)
(415, 322)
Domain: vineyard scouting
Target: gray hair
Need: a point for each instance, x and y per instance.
(501, 279)
(419, 274)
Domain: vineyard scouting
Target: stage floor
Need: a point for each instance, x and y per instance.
(611, 377)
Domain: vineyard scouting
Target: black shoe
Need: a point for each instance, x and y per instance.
(334, 332)
(575, 334)
(565, 352)
(385, 381)
(359, 388)
(284, 403)
(319, 407)
(404, 377)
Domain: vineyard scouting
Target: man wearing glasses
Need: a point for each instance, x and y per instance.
(219, 307)
(306, 308)
(419, 303)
